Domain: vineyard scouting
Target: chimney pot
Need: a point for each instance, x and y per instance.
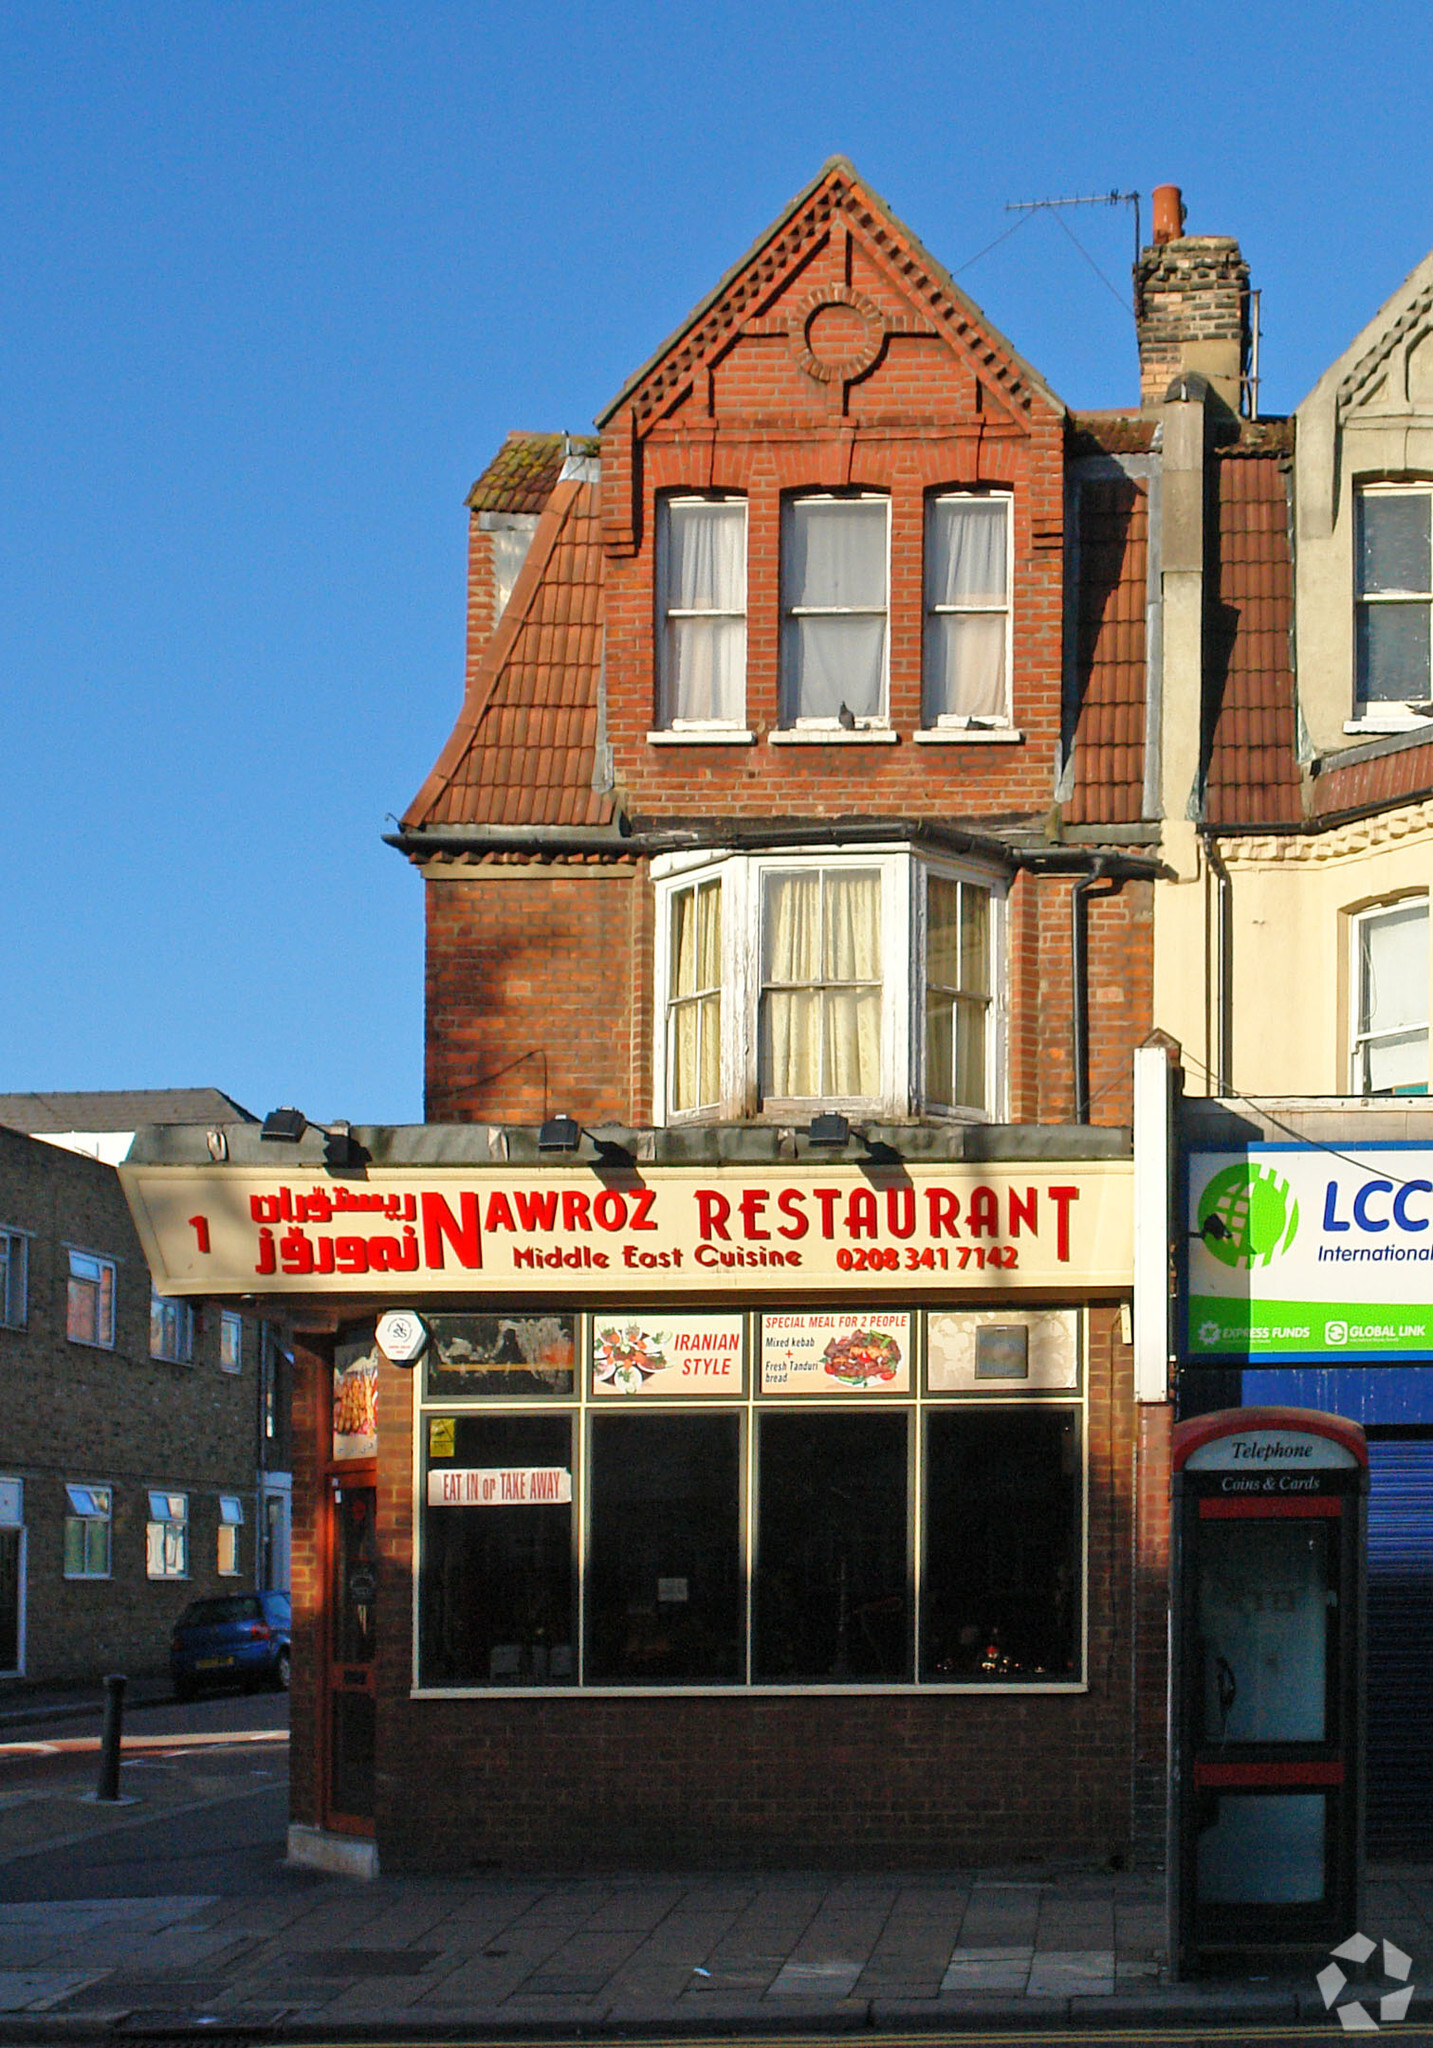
(1168, 213)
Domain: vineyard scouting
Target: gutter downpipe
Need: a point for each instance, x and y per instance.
(1080, 984)
(1219, 930)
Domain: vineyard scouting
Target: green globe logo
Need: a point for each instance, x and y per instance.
(1246, 1214)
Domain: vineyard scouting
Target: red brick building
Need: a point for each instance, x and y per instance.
(777, 1480)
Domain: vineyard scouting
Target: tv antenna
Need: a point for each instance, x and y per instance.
(1086, 199)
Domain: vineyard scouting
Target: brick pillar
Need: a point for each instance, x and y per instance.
(1192, 315)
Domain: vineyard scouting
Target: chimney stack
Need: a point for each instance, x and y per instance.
(1191, 295)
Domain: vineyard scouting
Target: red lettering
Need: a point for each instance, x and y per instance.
(200, 1226)
(1062, 1198)
(789, 1202)
(392, 1254)
(983, 1216)
(753, 1202)
(944, 1206)
(323, 1258)
(1026, 1212)
(537, 1211)
(901, 1212)
(265, 1209)
(575, 1210)
(267, 1263)
(439, 1223)
(352, 1255)
(295, 1252)
(499, 1216)
(861, 1213)
(828, 1198)
(712, 1211)
(641, 1218)
(610, 1210)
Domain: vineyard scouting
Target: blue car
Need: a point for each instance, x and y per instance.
(236, 1639)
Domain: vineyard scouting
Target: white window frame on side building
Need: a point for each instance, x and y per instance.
(738, 1006)
(14, 1278)
(231, 1340)
(171, 1329)
(89, 1530)
(701, 628)
(1386, 598)
(166, 1535)
(1388, 1026)
(961, 598)
(90, 1298)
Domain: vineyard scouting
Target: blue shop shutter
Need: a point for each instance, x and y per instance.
(1400, 1647)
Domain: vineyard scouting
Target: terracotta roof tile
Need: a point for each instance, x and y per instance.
(523, 751)
(523, 474)
(1387, 771)
(1109, 433)
(1253, 774)
(1109, 653)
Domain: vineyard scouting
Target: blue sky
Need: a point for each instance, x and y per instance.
(278, 277)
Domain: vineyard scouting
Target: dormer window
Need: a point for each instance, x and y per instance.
(1394, 568)
(834, 556)
(701, 598)
(967, 611)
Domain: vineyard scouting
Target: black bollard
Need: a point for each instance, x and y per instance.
(110, 1739)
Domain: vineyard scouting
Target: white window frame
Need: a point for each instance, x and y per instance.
(231, 1521)
(903, 873)
(14, 1278)
(954, 721)
(790, 719)
(171, 1329)
(666, 722)
(90, 1504)
(231, 1327)
(166, 1535)
(1386, 713)
(103, 1339)
(1358, 1040)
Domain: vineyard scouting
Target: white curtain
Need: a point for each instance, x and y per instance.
(695, 1056)
(1394, 998)
(966, 560)
(821, 974)
(834, 566)
(702, 571)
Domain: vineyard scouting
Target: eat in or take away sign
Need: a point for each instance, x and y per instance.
(237, 1230)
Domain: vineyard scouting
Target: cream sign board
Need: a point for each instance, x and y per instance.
(410, 1234)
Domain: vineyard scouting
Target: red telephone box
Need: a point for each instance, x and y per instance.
(1266, 1848)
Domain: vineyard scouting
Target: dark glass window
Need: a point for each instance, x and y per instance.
(664, 1587)
(833, 1597)
(497, 1591)
(1000, 1592)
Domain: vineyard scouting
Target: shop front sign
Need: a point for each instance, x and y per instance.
(1301, 1252)
(659, 1230)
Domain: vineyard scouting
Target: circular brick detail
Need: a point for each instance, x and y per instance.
(837, 333)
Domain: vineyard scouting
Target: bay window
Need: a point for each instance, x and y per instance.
(834, 553)
(701, 628)
(869, 982)
(1394, 595)
(1390, 991)
(966, 662)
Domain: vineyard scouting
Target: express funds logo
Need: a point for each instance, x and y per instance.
(1247, 1214)
(1353, 2015)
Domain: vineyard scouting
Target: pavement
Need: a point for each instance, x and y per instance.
(174, 1915)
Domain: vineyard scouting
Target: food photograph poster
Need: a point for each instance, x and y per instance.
(838, 1353)
(666, 1355)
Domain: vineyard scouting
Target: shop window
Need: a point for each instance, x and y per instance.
(833, 1597)
(14, 1278)
(1390, 981)
(231, 1520)
(497, 1591)
(967, 612)
(89, 1520)
(701, 628)
(664, 1584)
(231, 1340)
(89, 1304)
(166, 1536)
(834, 553)
(171, 1329)
(1394, 580)
(870, 984)
(1002, 1544)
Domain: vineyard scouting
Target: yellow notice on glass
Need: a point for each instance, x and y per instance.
(442, 1436)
